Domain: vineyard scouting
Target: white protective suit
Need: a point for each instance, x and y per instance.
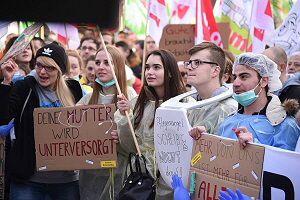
(97, 184)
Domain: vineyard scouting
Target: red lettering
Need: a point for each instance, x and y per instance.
(83, 144)
(99, 147)
(89, 147)
(77, 148)
(94, 144)
(40, 150)
(66, 148)
(60, 147)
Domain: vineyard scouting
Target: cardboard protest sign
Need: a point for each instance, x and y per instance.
(220, 163)
(173, 144)
(178, 38)
(2, 168)
(73, 138)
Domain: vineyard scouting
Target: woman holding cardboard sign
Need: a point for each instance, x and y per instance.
(97, 184)
(44, 87)
(162, 81)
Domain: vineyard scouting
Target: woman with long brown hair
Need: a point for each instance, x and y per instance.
(96, 184)
(162, 81)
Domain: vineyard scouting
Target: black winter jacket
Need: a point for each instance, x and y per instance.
(21, 160)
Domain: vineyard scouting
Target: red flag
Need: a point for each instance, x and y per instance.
(206, 26)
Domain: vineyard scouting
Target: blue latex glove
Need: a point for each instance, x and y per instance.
(232, 196)
(5, 129)
(180, 193)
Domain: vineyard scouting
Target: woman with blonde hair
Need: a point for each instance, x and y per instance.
(97, 184)
(44, 87)
(76, 68)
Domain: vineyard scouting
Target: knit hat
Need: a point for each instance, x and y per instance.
(56, 52)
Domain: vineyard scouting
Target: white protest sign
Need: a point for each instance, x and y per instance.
(280, 174)
(172, 142)
(173, 145)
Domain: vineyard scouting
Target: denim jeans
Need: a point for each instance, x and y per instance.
(38, 191)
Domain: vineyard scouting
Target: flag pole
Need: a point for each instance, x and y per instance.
(120, 93)
(67, 42)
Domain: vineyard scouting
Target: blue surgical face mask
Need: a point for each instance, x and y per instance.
(246, 98)
(106, 85)
(297, 75)
(77, 78)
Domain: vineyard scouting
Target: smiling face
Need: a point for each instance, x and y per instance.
(46, 78)
(74, 66)
(154, 72)
(25, 56)
(102, 68)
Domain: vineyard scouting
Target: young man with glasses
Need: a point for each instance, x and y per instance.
(88, 47)
(205, 71)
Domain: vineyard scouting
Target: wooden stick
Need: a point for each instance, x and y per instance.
(120, 93)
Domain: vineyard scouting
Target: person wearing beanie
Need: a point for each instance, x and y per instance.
(261, 118)
(45, 87)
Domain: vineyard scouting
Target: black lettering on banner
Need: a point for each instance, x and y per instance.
(277, 181)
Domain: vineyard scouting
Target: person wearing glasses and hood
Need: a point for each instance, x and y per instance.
(205, 72)
(261, 118)
(45, 87)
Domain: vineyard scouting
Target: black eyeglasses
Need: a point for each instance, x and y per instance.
(195, 63)
(88, 48)
(39, 66)
(183, 74)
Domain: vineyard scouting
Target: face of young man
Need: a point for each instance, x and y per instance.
(87, 49)
(200, 75)
(245, 79)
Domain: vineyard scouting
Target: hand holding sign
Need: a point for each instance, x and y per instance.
(180, 193)
(195, 132)
(232, 196)
(243, 135)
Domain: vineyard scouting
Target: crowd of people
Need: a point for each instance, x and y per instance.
(264, 107)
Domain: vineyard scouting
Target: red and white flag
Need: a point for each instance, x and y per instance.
(66, 33)
(261, 24)
(206, 26)
(158, 18)
(183, 11)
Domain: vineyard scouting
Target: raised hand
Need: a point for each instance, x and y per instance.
(8, 69)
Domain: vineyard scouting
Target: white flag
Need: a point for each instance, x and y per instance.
(158, 18)
(287, 35)
(183, 11)
(261, 24)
